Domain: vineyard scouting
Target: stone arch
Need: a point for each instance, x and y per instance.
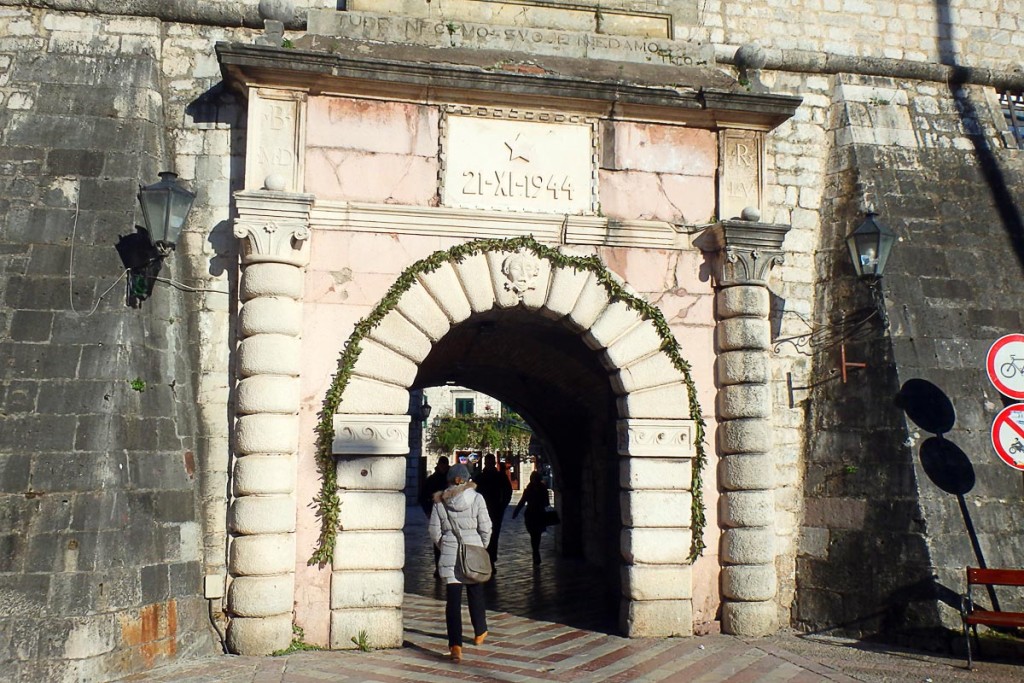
(363, 435)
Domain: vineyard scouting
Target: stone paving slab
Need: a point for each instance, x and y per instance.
(550, 624)
(523, 650)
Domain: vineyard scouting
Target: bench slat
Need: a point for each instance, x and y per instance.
(995, 577)
(988, 618)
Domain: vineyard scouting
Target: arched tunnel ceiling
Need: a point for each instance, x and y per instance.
(537, 366)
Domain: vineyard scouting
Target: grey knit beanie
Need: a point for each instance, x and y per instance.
(458, 471)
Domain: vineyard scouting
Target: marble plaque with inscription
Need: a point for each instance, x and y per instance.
(275, 138)
(741, 172)
(514, 160)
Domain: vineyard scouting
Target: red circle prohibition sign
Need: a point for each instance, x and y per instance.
(1004, 365)
(1008, 435)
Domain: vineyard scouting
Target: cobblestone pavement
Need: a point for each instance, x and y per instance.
(551, 625)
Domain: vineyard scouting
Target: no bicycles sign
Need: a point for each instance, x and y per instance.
(1005, 365)
(1008, 435)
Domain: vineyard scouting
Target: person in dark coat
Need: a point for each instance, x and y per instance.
(535, 498)
(496, 489)
(460, 505)
(438, 481)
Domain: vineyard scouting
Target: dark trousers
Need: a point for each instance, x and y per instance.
(492, 545)
(453, 611)
(535, 545)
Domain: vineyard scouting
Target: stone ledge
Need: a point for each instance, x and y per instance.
(477, 224)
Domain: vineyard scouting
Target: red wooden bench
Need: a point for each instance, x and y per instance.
(973, 615)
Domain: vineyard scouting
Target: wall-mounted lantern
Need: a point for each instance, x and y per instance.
(869, 246)
(165, 206)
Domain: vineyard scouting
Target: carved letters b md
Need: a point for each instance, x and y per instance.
(274, 158)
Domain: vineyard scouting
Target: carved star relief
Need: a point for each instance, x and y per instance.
(518, 148)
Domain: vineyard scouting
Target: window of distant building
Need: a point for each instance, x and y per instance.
(463, 406)
(1012, 104)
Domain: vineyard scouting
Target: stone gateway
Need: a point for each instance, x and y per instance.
(624, 220)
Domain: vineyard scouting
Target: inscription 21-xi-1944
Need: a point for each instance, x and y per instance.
(518, 165)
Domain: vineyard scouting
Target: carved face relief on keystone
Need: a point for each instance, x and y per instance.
(522, 271)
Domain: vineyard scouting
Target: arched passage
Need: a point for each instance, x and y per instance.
(621, 416)
(548, 375)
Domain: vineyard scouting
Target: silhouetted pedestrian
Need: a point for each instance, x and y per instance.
(437, 481)
(496, 489)
(535, 498)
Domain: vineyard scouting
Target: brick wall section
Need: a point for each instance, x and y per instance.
(100, 546)
(905, 149)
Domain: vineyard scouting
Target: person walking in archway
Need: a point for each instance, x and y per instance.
(535, 498)
(460, 504)
(496, 489)
(437, 481)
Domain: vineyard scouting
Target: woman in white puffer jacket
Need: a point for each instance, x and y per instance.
(460, 504)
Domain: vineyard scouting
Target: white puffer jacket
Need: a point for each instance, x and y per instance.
(466, 508)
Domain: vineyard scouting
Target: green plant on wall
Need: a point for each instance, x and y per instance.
(327, 503)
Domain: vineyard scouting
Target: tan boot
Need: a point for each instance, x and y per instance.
(479, 640)
(456, 653)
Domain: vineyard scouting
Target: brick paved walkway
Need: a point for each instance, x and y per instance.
(548, 626)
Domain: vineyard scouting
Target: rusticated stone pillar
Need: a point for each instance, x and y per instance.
(367, 584)
(743, 253)
(274, 227)
(655, 474)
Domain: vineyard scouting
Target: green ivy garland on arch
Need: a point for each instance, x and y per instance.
(327, 502)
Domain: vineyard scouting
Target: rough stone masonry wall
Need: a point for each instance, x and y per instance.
(104, 484)
(986, 33)
(795, 162)
(935, 167)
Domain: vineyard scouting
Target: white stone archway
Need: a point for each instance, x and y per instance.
(656, 438)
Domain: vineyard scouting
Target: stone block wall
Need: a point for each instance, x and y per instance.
(985, 34)
(107, 466)
(933, 163)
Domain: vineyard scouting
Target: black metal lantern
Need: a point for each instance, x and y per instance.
(869, 247)
(165, 206)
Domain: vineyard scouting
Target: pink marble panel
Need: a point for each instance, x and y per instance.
(646, 270)
(371, 177)
(665, 149)
(372, 126)
(632, 195)
(312, 584)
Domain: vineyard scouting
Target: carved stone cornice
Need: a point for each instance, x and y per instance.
(273, 226)
(743, 252)
(472, 224)
(370, 434)
(655, 438)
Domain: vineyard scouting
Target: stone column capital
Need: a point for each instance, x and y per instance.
(274, 226)
(743, 252)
